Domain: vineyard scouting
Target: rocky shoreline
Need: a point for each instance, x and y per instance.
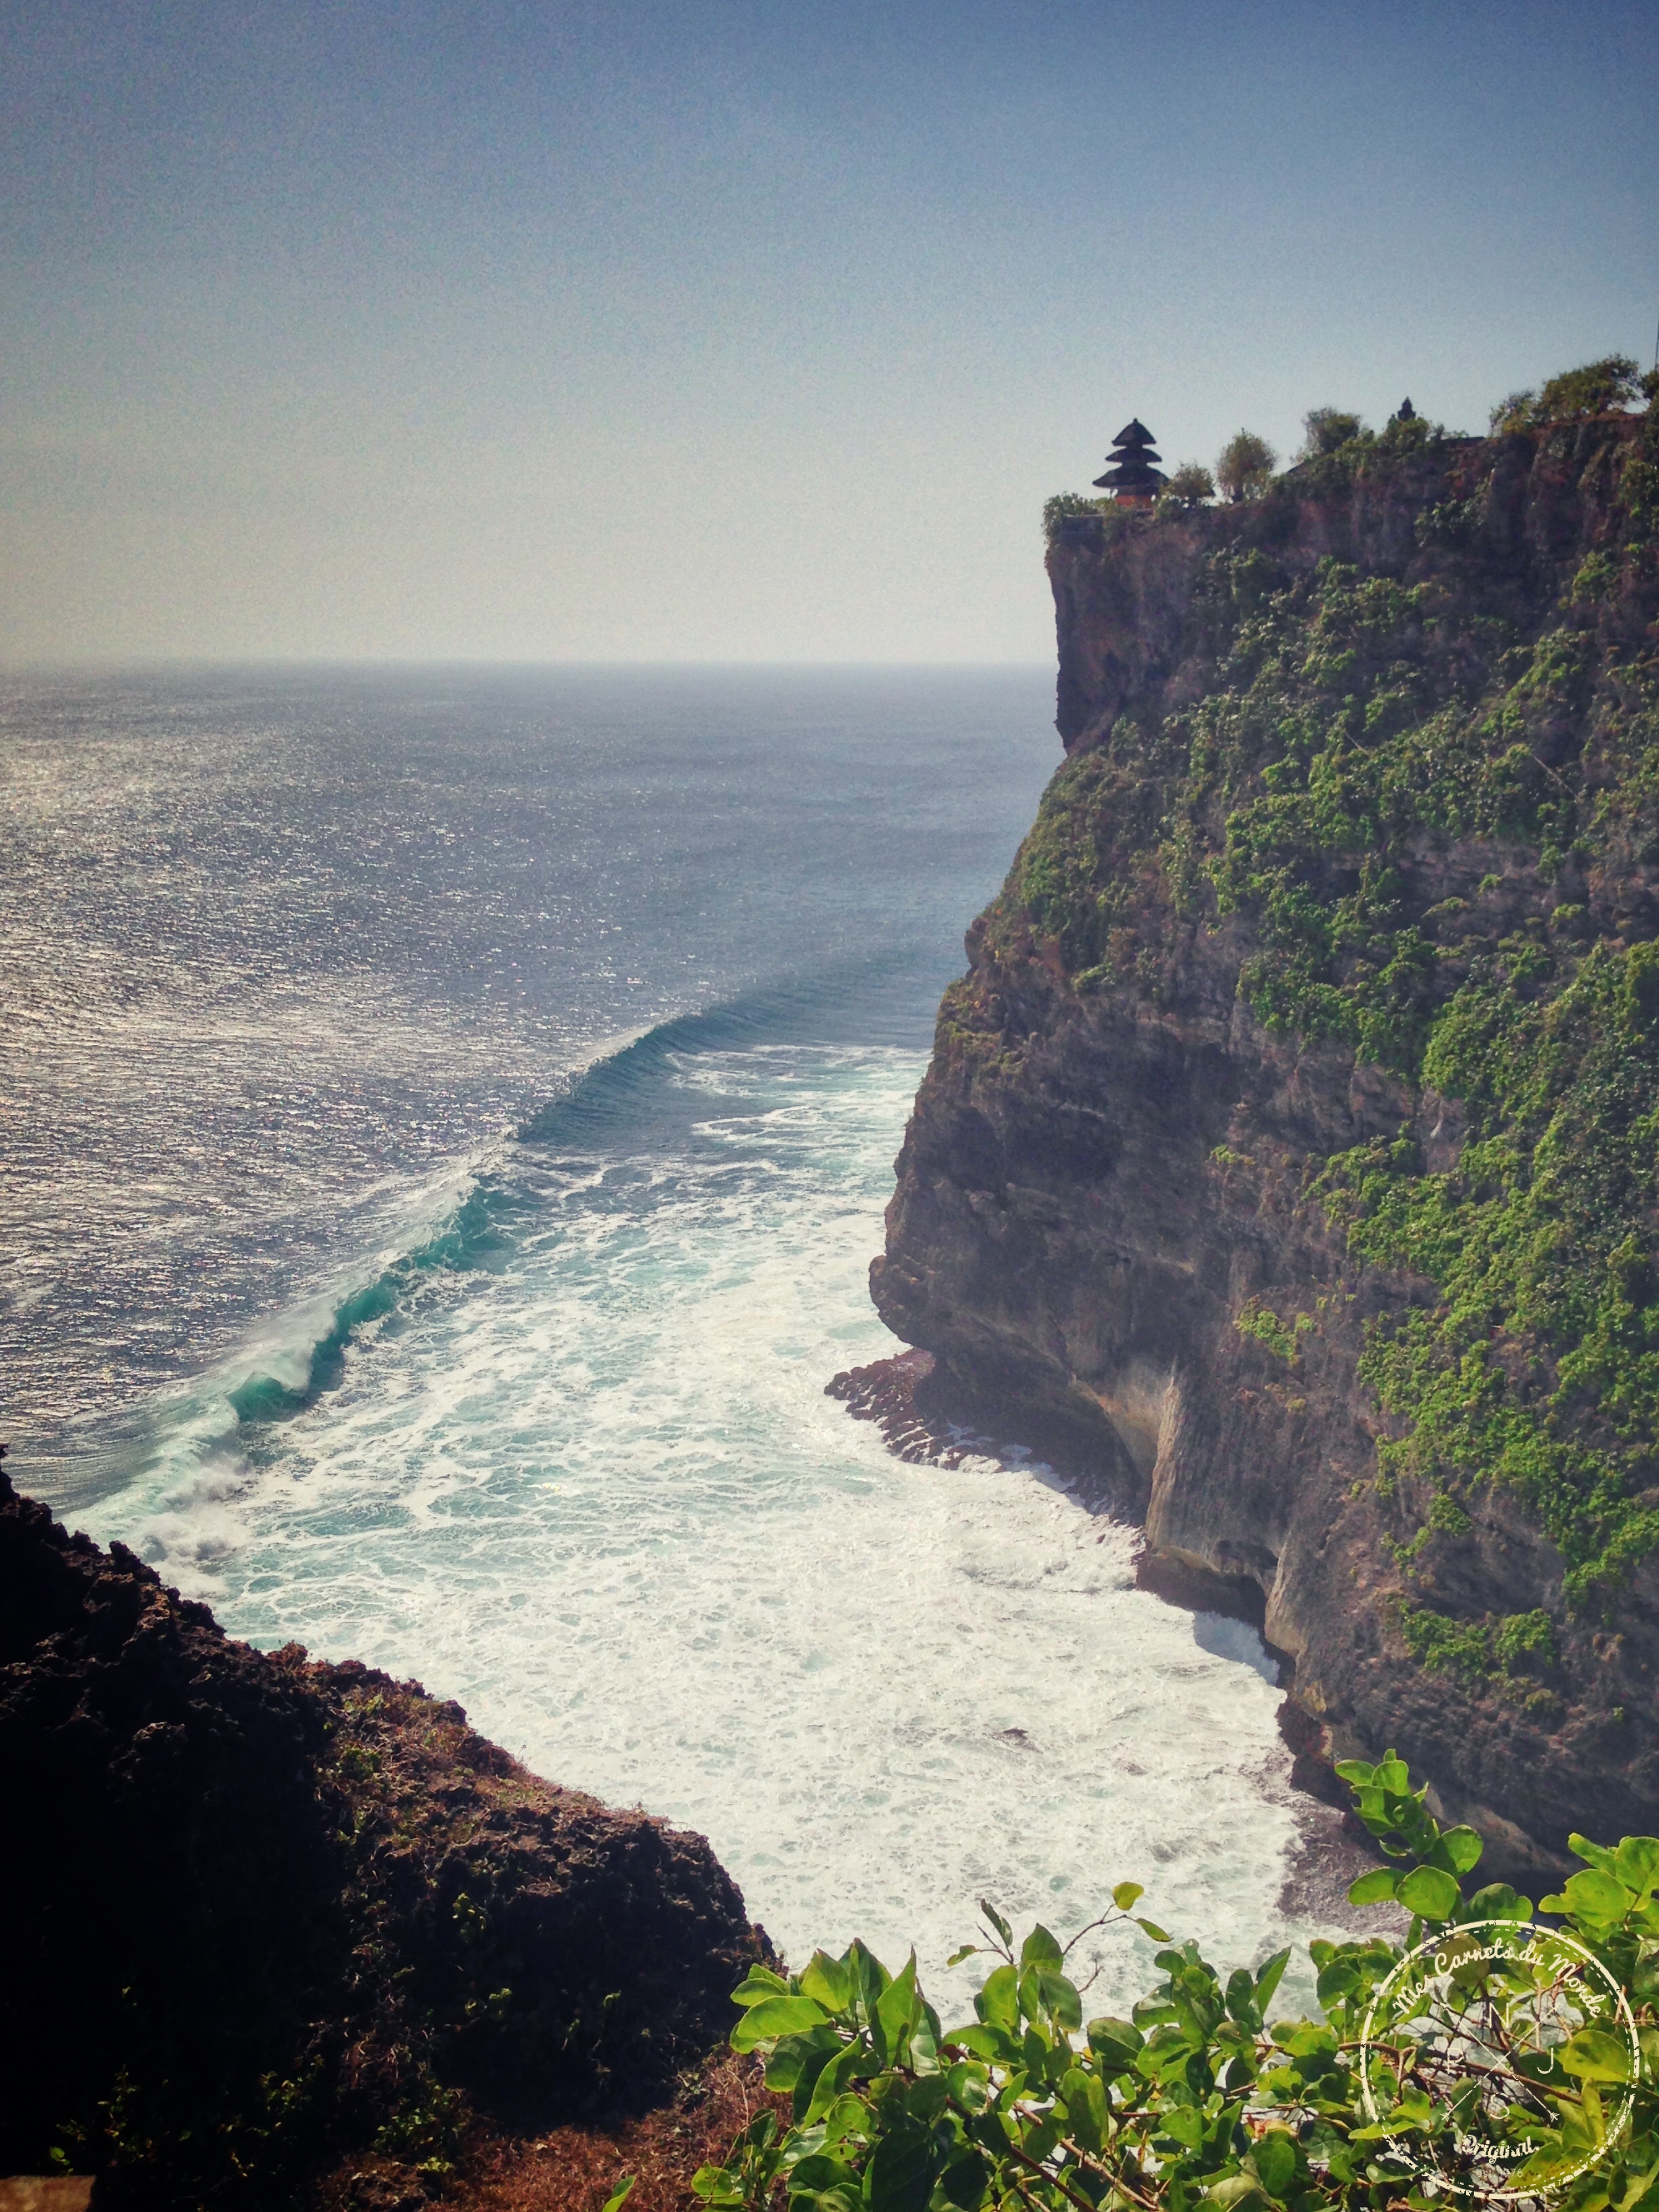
(924, 1424)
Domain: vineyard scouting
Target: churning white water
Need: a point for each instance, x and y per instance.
(547, 1429)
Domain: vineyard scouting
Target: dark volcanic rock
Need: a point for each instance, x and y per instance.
(1104, 1169)
(258, 1911)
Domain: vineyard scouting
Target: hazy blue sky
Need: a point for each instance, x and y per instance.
(734, 331)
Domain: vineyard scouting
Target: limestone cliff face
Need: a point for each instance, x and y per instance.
(1108, 1217)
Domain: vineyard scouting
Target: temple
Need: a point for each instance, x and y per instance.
(1130, 473)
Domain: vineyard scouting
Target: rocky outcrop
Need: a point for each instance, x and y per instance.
(259, 1912)
(1108, 1216)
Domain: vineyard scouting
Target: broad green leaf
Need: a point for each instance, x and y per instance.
(897, 2008)
(1372, 1888)
(1062, 2002)
(848, 2115)
(712, 2181)
(1595, 1897)
(998, 2002)
(1233, 2194)
(827, 1980)
(1275, 2161)
(849, 2197)
(758, 1984)
(1498, 1901)
(1040, 2140)
(996, 1920)
(618, 2198)
(1429, 1893)
(870, 1976)
(1125, 1894)
(1115, 2042)
(1086, 2107)
(924, 2098)
(963, 2182)
(1303, 2039)
(1268, 1977)
(1040, 1950)
(794, 2054)
(970, 2086)
(1636, 1863)
(986, 2042)
(1594, 2055)
(900, 2175)
(1241, 1997)
(1462, 1846)
(836, 2077)
(1355, 1772)
(815, 2058)
(967, 1950)
(1185, 2123)
(1158, 1935)
(1595, 1854)
(818, 2172)
(774, 2016)
(1338, 1980)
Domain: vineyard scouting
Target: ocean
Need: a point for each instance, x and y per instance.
(447, 1120)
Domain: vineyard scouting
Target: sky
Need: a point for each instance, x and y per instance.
(742, 330)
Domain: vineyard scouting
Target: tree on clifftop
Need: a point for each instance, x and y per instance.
(1190, 485)
(1245, 464)
(1597, 388)
(1325, 429)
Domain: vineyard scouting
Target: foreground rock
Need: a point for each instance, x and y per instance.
(259, 1912)
(1366, 763)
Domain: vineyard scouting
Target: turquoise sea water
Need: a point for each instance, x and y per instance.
(446, 1140)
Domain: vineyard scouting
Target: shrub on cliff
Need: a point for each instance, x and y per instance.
(1065, 504)
(1245, 467)
(1595, 389)
(1509, 2059)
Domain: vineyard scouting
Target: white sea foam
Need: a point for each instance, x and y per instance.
(595, 1491)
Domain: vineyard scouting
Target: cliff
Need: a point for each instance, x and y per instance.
(262, 1913)
(1289, 1150)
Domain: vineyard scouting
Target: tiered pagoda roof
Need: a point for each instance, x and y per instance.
(1131, 473)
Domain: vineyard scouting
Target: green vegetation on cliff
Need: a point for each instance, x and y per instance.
(1426, 800)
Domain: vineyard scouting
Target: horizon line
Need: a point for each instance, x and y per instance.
(117, 663)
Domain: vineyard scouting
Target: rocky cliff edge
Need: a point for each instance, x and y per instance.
(261, 1913)
(1288, 1153)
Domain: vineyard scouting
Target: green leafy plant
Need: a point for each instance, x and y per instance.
(1197, 2099)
